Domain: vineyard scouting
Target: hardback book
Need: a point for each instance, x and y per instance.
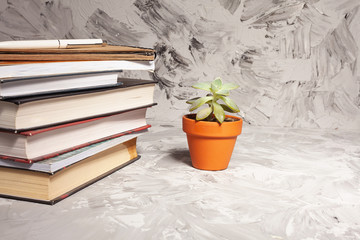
(25, 113)
(59, 161)
(27, 86)
(93, 53)
(14, 71)
(48, 188)
(35, 145)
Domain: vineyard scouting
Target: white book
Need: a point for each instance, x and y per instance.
(60, 68)
(36, 145)
(19, 87)
(54, 164)
(39, 111)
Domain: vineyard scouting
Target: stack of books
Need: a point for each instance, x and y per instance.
(66, 119)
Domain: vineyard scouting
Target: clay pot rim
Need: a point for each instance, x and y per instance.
(239, 119)
(212, 129)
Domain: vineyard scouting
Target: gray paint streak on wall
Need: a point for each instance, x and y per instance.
(33, 20)
(101, 25)
(231, 5)
(296, 61)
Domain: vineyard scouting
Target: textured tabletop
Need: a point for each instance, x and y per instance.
(280, 184)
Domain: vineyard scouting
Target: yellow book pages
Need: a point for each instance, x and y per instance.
(43, 187)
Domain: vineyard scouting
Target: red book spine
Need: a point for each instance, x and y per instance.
(24, 160)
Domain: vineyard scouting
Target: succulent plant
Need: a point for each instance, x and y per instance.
(218, 92)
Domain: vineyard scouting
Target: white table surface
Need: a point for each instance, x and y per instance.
(280, 184)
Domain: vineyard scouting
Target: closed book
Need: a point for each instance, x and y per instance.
(27, 113)
(59, 161)
(50, 188)
(70, 67)
(35, 145)
(103, 52)
(27, 86)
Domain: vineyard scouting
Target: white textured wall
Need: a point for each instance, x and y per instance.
(295, 60)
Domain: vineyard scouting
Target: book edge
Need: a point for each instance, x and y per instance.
(29, 161)
(75, 190)
(17, 131)
(23, 100)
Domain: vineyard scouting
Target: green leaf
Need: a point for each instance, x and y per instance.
(219, 112)
(199, 102)
(226, 108)
(223, 92)
(229, 86)
(216, 85)
(230, 103)
(191, 101)
(203, 113)
(203, 86)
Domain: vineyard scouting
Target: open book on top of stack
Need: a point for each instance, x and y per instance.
(62, 117)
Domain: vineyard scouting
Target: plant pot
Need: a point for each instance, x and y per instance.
(211, 144)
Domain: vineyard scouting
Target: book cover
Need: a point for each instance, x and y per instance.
(75, 57)
(78, 53)
(122, 83)
(74, 190)
(33, 132)
(31, 146)
(78, 49)
(50, 188)
(31, 112)
(53, 162)
(29, 86)
(70, 67)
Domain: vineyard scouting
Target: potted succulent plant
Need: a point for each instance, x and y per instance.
(210, 133)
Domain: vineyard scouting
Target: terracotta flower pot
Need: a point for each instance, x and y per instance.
(211, 144)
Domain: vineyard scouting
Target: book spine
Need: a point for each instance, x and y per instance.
(73, 191)
(29, 161)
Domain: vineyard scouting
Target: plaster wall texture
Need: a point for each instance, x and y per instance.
(296, 61)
